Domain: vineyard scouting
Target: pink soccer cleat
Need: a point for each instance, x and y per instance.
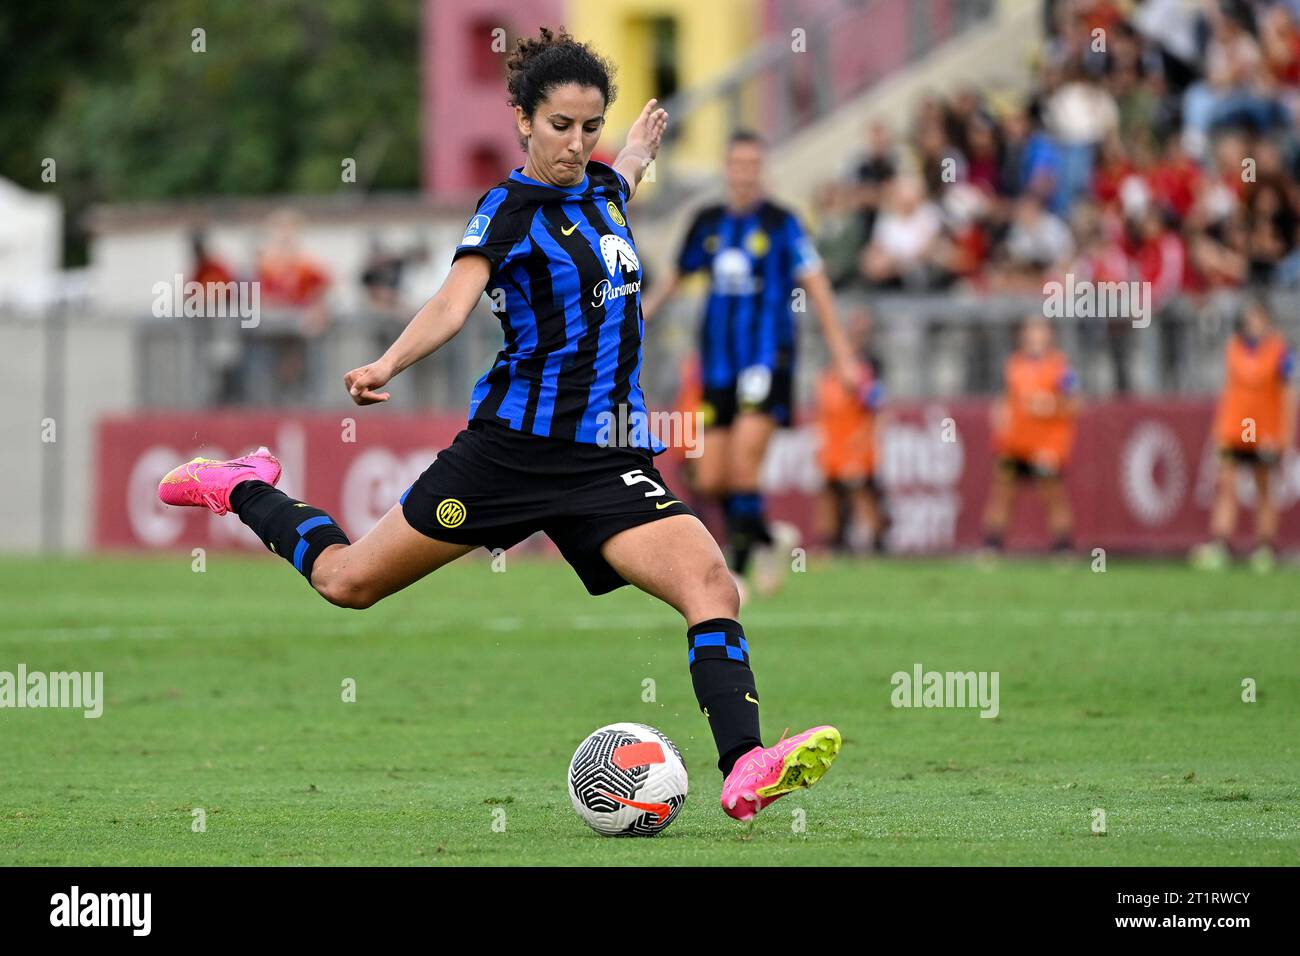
(206, 482)
(769, 773)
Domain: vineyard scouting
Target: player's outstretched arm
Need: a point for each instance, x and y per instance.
(847, 367)
(643, 141)
(433, 326)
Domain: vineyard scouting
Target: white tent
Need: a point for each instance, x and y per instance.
(31, 247)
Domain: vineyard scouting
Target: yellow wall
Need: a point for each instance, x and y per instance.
(712, 35)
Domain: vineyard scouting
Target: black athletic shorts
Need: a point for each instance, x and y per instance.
(721, 405)
(495, 486)
(1024, 468)
(1251, 456)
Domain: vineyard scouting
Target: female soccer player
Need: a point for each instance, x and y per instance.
(1254, 426)
(538, 453)
(757, 255)
(1033, 430)
(849, 421)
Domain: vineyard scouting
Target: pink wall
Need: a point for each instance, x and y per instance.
(468, 130)
(869, 42)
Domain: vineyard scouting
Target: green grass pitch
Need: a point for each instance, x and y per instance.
(1119, 691)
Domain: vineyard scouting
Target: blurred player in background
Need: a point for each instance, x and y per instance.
(1033, 431)
(1254, 426)
(759, 260)
(851, 513)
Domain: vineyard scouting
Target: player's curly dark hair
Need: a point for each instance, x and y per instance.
(539, 64)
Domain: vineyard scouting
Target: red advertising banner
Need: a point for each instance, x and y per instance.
(1140, 478)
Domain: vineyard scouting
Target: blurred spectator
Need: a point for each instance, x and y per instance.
(941, 162)
(207, 269)
(282, 359)
(899, 254)
(218, 341)
(382, 279)
(1038, 243)
(1172, 30)
(839, 232)
(289, 278)
(876, 168)
(984, 154)
(389, 278)
(961, 250)
(1080, 114)
(1236, 90)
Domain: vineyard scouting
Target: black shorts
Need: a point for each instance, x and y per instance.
(495, 486)
(846, 486)
(721, 405)
(1251, 456)
(1024, 468)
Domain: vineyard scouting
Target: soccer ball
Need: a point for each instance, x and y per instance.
(627, 780)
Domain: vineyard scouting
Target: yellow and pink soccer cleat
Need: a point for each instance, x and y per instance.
(769, 773)
(206, 482)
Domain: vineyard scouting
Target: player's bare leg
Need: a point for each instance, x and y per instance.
(869, 508)
(354, 575)
(710, 478)
(1213, 555)
(1266, 519)
(997, 511)
(1060, 522)
(676, 560)
(751, 433)
(830, 518)
(389, 557)
(710, 471)
(1223, 519)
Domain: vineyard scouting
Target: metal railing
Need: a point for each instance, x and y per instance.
(928, 345)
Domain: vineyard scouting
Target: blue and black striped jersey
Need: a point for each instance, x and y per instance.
(755, 259)
(566, 281)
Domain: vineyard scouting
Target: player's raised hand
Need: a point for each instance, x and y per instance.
(852, 372)
(362, 382)
(648, 131)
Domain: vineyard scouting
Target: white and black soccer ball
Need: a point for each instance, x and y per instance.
(627, 780)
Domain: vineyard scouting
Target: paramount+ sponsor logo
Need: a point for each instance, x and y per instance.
(619, 258)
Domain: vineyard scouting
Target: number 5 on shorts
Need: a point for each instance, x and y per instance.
(636, 477)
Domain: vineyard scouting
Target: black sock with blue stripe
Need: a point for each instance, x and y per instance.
(724, 686)
(746, 527)
(295, 531)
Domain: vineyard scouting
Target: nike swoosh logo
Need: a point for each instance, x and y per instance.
(661, 505)
(750, 699)
(569, 231)
(660, 810)
(189, 469)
